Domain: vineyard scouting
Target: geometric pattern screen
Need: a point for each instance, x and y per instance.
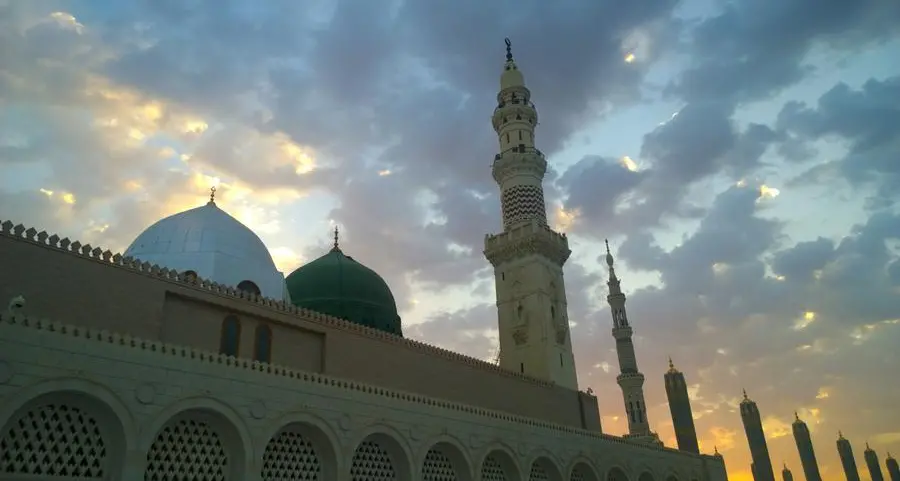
(187, 450)
(491, 470)
(291, 456)
(372, 463)
(54, 440)
(538, 473)
(523, 203)
(437, 467)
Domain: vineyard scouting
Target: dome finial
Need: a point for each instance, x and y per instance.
(509, 57)
(745, 395)
(336, 236)
(212, 195)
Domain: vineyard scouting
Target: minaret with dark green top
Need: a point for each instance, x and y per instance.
(892, 467)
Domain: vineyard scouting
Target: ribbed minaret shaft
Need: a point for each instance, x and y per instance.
(680, 407)
(848, 462)
(756, 438)
(805, 449)
(892, 467)
(786, 474)
(872, 463)
(630, 379)
(528, 256)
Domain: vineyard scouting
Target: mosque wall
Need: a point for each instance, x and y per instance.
(93, 288)
(139, 409)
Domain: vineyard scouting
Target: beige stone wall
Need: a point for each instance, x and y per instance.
(127, 392)
(92, 288)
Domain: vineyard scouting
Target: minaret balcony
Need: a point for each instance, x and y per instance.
(520, 159)
(525, 240)
(631, 379)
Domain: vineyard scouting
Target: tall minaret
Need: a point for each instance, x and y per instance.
(805, 448)
(756, 437)
(680, 407)
(630, 379)
(786, 474)
(872, 462)
(892, 467)
(845, 451)
(528, 256)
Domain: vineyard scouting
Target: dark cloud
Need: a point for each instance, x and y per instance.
(868, 120)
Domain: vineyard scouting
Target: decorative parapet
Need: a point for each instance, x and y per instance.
(526, 239)
(105, 256)
(202, 356)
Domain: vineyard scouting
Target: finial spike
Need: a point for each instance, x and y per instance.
(796, 416)
(716, 449)
(336, 236)
(212, 195)
(745, 394)
(509, 57)
(671, 364)
(609, 257)
(840, 435)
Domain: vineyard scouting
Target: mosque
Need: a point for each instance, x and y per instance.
(191, 357)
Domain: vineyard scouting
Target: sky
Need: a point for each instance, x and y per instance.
(742, 157)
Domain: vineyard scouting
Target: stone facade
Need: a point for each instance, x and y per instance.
(133, 386)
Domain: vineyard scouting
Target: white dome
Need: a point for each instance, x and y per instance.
(214, 245)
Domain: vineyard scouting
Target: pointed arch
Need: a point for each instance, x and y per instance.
(444, 456)
(90, 418)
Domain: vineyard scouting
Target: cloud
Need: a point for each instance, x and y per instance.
(375, 117)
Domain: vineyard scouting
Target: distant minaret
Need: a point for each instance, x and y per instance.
(845, 451)
(805, 448)
(892, 467)
(756, 437)
(630, 379)
(527, 256)
(786, 474)
(872, 462)
(680, 407)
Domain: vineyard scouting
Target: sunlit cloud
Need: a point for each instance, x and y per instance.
(563, 219)
(384, 173)
(286, 259)
(805, 320)
(629, 58)
(629, 163)
(776, 427)
(823, 393)
(766, 192)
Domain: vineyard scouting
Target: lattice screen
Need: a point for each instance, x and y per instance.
(187, 450)
(290, 456)
(372, 463)
(578, 474)
(491, 470)
(538, 473)
(54, 440)
(437, 467)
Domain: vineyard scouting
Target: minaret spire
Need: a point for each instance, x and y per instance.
(630, 379)
(527, 256)
(212, 195)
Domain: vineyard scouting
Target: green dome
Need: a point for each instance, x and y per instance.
(337, 285)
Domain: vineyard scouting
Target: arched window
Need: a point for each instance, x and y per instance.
(231, 336)
(249, 286)
(262, 350)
